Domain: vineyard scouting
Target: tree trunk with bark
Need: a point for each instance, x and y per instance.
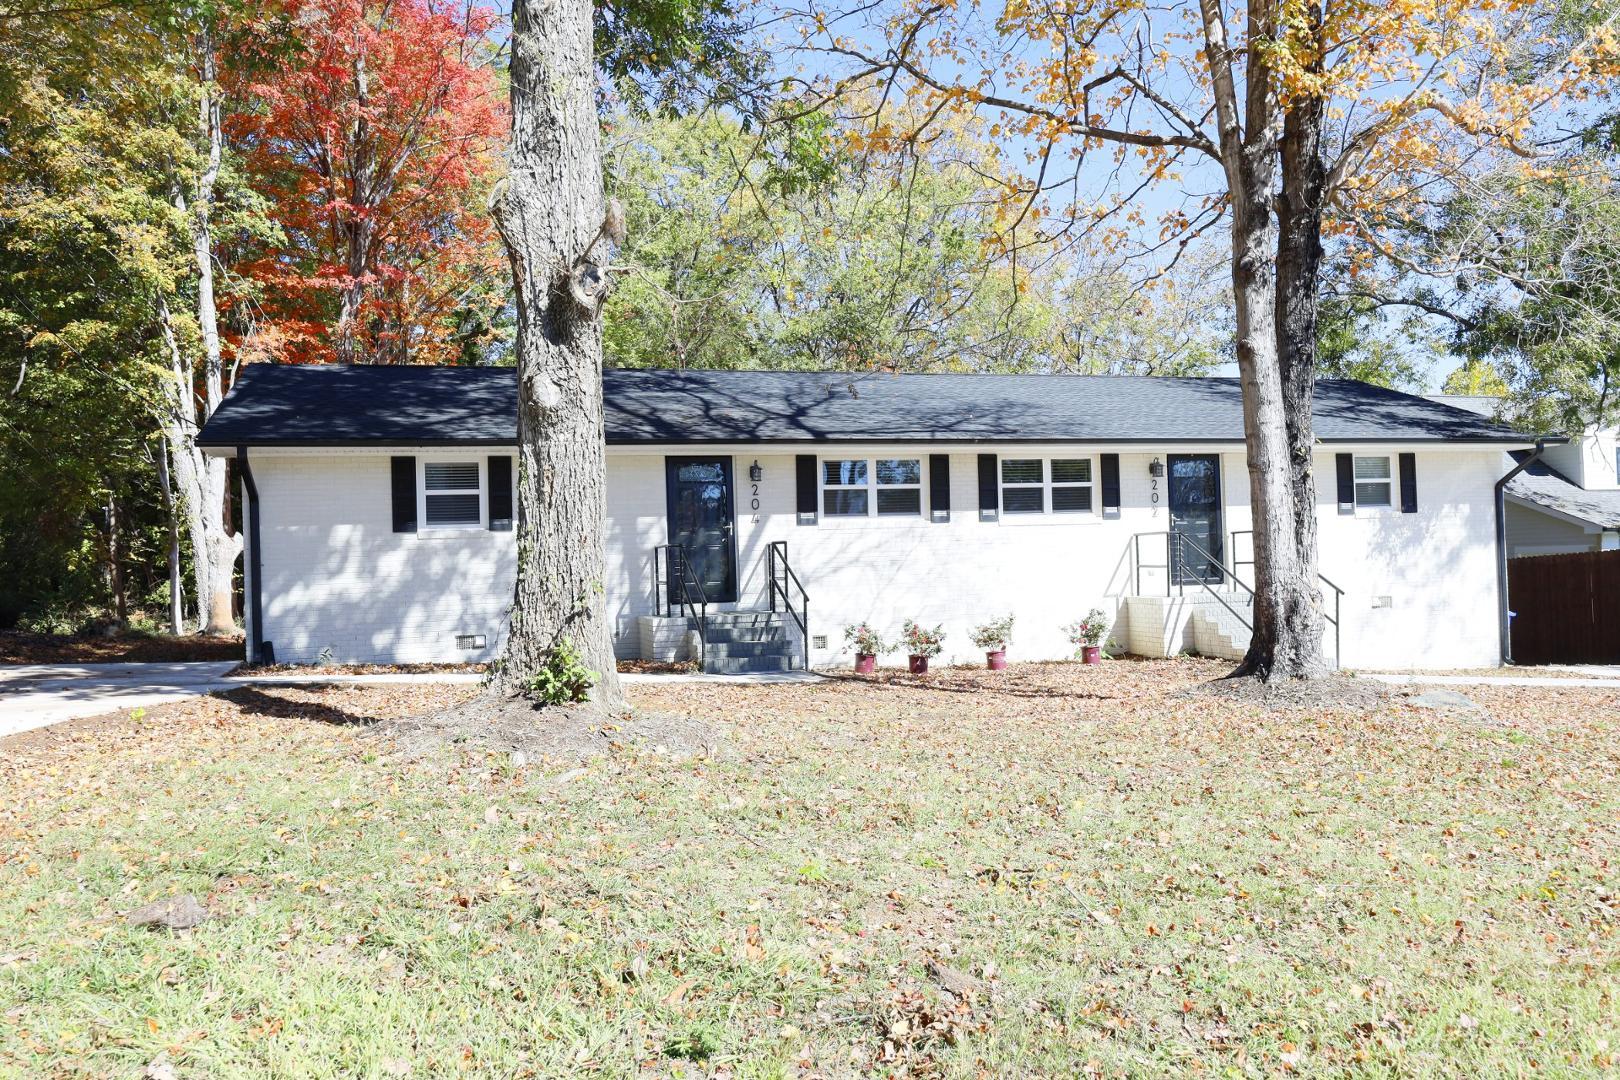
(1286, 639)
(1299, 262)
(550, 214)
(177, 598)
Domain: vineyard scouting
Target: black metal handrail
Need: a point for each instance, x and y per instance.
(1175, 567)
(1178, 556)
(1338, 593)
(776, 557)
(680, 573)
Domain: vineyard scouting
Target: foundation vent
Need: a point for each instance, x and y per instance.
(469, 641)
(818, 641)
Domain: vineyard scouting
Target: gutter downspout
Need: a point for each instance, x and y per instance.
(255, 643)
(1503, 615)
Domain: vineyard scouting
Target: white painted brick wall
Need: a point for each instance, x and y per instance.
(336, 575)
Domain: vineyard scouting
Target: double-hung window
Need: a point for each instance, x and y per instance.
(452, 494)
(1023, 486)
(1373, 481)
(862, 487)
(1071, 485)
(1039, 485)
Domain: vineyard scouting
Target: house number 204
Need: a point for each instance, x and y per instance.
(753, 503)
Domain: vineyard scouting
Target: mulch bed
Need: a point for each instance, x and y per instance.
(575, 732)
(17, 647)
(656, 667)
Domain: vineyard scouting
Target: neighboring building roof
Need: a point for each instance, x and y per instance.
(305, 405)
(1543, 486)
(1483, 404)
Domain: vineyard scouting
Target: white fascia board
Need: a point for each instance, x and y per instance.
(1542, 508)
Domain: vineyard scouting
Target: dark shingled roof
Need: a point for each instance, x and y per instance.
(291, 405)
(1542, 485)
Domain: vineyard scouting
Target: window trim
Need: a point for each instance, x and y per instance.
(1388, 482)
(481, 463)
(1046, 487)
(872, 487)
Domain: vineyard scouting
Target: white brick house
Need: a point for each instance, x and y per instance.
(379, 505)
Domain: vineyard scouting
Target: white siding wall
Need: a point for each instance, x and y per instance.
(337, 576)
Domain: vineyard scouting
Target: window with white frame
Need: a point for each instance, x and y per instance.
(844, 488)
(452, 494)
(1023, 486)
(1372, 476)
(1071, 485)
(1039, 485)
(899, 486)
(862, 487)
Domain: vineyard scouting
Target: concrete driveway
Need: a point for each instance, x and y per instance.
(37, 695)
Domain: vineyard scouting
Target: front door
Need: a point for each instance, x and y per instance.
(701, 516)
(1195, 518)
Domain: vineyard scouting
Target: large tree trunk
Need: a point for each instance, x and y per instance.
(550, 215)
(1283, 644)
(1299, 261)
(214, 547)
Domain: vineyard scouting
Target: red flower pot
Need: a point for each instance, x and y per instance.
(919, 665)
(996, 661)
(865, 663)
(1091, 654)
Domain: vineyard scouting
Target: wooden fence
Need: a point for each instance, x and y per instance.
(1566, 608)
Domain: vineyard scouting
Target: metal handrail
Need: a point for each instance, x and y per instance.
(681, 572)
(1138, 566)
(1185, 541)
(1338, 593)
(776, 554)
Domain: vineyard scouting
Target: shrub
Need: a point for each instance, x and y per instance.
(918, 641)
(865, 640)
(1088, 631)
(995, 635)
(564, 679)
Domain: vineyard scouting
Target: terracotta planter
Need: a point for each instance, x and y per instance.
(919, 665)
(996, 661)
(1091, 654)
(865, 663)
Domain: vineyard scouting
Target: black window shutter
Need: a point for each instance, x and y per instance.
(500, 493)
(939, 487)
(1347, 483)
(1408, 483)
(989, 500)
(404, 487)
(1110, 485)
(804, 467)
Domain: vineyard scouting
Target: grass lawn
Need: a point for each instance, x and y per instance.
(1115, 877)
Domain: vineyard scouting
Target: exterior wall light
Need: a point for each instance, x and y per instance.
(755, 473)
(1156, 467)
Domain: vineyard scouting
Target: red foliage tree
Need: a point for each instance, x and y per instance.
(373, 141)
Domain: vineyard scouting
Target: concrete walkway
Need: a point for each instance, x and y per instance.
(1490, 680)
(37, 695)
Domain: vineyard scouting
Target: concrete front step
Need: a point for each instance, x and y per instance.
(740, 665)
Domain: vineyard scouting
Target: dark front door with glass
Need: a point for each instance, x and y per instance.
(1195, 518)
(702, 511)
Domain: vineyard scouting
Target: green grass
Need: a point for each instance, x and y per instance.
(1145, 884)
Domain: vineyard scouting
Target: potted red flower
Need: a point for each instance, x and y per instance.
(1087, 635)
(993, 638)
(920, 644)
(867, 645)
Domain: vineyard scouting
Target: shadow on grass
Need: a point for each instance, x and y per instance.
(262, 703)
